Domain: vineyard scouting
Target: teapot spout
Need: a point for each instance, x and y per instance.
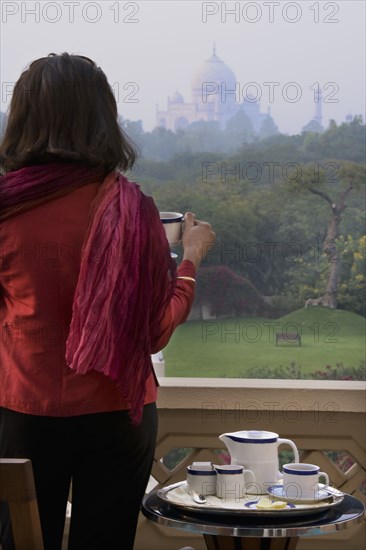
(229, 442)
(225, 438)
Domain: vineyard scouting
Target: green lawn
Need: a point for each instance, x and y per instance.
(237, 347)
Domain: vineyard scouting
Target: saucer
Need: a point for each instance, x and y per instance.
(277, 492)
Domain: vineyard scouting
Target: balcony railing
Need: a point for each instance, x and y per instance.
(324, 418)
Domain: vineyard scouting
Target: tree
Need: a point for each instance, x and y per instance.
(308, 275)
(226, 292)
(351, 292)
(268, 128)
(350, 175)
(313, 127)
(134, 130)
(346, 141)
(201, 136)
(239, 130)
(160, 144)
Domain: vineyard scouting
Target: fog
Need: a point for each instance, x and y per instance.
(149, 49)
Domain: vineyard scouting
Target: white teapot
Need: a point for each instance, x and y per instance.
(257, 451)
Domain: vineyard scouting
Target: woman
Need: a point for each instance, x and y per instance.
(88, 291)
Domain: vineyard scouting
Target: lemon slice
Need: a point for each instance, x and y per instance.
(265, 504)
(278, 504)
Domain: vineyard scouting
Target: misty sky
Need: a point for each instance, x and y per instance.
(149, 49)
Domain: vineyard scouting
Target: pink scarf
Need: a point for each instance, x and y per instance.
(126, 277)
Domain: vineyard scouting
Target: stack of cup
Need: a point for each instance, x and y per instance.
(201, 477)
(231, 481)
(225, 481)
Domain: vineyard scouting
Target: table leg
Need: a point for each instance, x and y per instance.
(214, 542)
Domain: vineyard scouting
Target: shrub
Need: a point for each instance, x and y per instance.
(294, 371)
(227, 292)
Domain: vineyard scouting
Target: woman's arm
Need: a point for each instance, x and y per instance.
(197, 239)
(179, 307)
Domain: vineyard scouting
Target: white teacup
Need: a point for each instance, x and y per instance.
(202, 478)
(231, 481)
(301, 481)
(173, 225)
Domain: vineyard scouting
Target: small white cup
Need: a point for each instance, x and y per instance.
(301, 481)
(173, 225)
(230, 482)
(202, 478)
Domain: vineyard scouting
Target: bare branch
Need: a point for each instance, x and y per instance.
(342, 200)
(321, 194)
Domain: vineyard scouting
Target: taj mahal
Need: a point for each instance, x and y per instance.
(212, 76)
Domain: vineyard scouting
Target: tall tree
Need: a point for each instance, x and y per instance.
(347, 176)
(268, 128)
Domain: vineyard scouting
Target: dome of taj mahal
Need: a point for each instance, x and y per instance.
(214, 70)
(176, 97)
(215, 97)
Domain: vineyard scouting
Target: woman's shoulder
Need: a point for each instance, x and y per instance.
(135, 188)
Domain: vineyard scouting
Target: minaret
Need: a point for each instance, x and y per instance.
(318, 107)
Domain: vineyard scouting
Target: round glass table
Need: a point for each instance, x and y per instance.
(226, 532)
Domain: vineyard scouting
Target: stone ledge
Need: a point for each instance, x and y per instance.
(274, 394)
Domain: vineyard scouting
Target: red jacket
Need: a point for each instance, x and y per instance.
(40, 253)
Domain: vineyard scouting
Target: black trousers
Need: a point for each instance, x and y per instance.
(109, 461)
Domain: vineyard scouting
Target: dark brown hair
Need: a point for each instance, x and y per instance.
(63, 109)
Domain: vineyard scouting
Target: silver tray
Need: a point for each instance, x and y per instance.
(177, 495)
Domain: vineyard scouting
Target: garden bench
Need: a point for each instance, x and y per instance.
(288, 337)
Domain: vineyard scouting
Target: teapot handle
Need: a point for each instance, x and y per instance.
(292, 445)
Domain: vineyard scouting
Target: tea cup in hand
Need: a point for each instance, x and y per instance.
(173, 225)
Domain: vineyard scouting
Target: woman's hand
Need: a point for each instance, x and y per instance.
(198, 238)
